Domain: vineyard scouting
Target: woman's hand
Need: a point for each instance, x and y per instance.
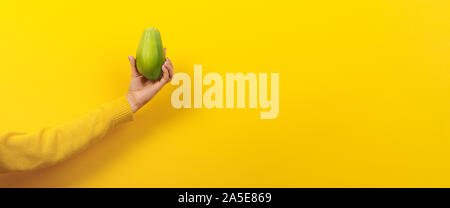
(141, 89)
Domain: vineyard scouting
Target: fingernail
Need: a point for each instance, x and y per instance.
(129, 57)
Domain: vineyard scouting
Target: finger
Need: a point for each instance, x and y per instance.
(134, 71)
(170, 67)
(165, 49)
(165, 78)
(158, 85)
(169, 62)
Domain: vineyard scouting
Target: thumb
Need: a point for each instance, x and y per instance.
(134, 71)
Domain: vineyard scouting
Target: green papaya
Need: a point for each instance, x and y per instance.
(150, 54)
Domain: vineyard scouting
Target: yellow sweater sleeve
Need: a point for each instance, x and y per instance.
(22, 151)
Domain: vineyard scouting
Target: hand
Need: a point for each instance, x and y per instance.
(141, 89)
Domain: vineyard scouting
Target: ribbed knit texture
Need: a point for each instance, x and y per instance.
(119, 110)
(47, 146)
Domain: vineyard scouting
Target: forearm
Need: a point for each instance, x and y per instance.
(47, 146)
(20, 151)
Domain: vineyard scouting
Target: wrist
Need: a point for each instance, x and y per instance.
(132, 101)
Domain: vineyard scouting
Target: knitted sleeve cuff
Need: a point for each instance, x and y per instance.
(119, 110)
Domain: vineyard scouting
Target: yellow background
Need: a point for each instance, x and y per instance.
(364, 91)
